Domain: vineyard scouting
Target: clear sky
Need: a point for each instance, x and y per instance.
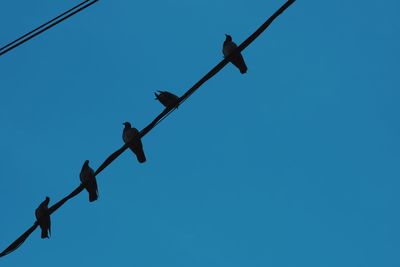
(295, 163)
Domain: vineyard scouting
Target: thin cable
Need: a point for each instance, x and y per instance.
(45, 27)
(165, 113)
(41, 26)
(222, 64)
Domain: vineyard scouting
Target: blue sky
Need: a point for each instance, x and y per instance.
(293, 164)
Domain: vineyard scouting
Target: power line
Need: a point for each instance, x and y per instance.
(44, 27)
(165, 113)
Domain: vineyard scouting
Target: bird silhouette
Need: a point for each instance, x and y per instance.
(131, 135)
(237, 58)
(88, 179)
(166, 98)
(43, 218)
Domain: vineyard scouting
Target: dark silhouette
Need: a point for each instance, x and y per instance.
(131, 136)
(166, 112)
(230, 47)
(88, 179)
(169, 100)
(222, 64)
(43, 218)
(20, 240)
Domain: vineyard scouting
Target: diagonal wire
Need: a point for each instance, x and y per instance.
(218, 67)
(44, 27)
(197, 85)
(20, 240)
(165, 113)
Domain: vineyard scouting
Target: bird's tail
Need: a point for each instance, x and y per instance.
(45, 234)
(242, 65)
(138, 151)
(93, 196)
(141, 157)
(239, 62)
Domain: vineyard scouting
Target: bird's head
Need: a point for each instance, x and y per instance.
(127, 124)
(85, 165)
(228, 38)
(47, 200)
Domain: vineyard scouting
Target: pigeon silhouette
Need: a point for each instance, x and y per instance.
(168, 99)
(237, 58)
(43, 218)
(131, 135)
(88, 179)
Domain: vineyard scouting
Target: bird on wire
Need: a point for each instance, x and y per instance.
(88, 180)
(169, 100)
(43, 218)
(39, 215)
(131, 135)
(237, 59)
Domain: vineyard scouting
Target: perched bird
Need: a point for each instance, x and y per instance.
(236, 59)
(168, 99)
(43, 218)
(89, 181)
(136, 146)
